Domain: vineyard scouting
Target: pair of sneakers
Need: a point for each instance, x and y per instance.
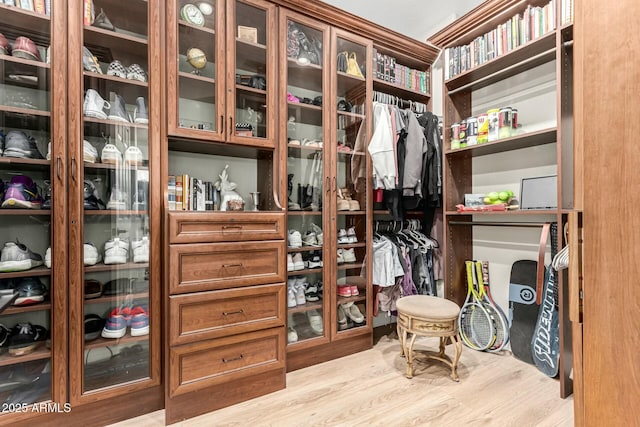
(347, 236)
(296, 287)
(314, 236)
(137, 318)
(132, 72)
(94, 106)
(132, 156)
(349, 313)
(116, 250)
(346, 256)
(295, 262)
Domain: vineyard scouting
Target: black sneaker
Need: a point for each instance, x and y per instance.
(46, 203)
(4, 338)
(92, 200)
(30, 291)
(25, 338)
(93, 325)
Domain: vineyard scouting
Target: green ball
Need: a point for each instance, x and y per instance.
(493, 196)
(504, 196)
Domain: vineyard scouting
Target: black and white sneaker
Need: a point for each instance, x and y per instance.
(4, 338)
(135, 72)
(117, 69)
(311, 293)
(25, 338)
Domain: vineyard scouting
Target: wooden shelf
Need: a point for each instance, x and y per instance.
(304, 213)
(243, 88)
(24, 212)
(351, 245)
(31, 164)
(541, 137)
(350, 153)
(305, 307)
(24, 111)
(347, 82)
(358, 298)
(350, 114)
(115, 267)
(118, 43)
(304, 76)
(507, 213)
(107, 342)
(38, 354)
(350, 266)
(27, 309)
(16, 17)
(107, 122)
(115, 298)
(402, 92)
(113, 212)
(304, 148)
(305, 271)
(352, 213)
(110, 166)
(105, 84)
(114, 79)
(304, 106)
(20, 62)
(523, 58)
(250, 56)
(304, 249)
(41, 271)
(203, 29)
(196, 87)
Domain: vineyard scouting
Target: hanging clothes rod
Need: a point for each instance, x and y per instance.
(498, 224)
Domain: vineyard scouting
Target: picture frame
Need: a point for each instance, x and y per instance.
(248, 34)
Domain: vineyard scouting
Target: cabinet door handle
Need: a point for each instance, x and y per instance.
(58, 167)
(224, 360)
(73, 168)
(221, 123)
(232, 227)
(335, 184)
(231, 125)
(328, 184)
(231, 265)
(227, 313)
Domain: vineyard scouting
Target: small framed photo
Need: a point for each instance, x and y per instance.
(248, 34)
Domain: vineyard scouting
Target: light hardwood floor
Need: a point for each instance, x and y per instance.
(369, 388)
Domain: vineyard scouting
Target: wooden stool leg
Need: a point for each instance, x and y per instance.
(399, 331)
(409, 354)
(455, 339)
(443, 341)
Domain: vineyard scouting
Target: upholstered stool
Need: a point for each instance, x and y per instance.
(428, 316)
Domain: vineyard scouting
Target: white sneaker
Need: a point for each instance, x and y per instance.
(111, 154)
(349, 255)
(292, 335)
(94, 105)
(140, 249)
(310, 239)
(295, 239)
(116, 251)
(298, 263)
(118, 200)
(299, 290)
(353, 312)
(289, 262)
(89, 152)
(291, 298)
(351, 235)
(315, 260)
(48, 151)
(319, 235)
(133, 156)
(315, 321)
(342, 318)
(340, 259)
(91, 254)
(47, 258)
(342, 236)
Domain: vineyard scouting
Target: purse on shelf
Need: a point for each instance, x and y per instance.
(352, 66)
(343, 59)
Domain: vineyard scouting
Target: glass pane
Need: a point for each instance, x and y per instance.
(116, 189)
(25, 206)
(197, 66)
(251, 66)
(305, 169)
(351, 195)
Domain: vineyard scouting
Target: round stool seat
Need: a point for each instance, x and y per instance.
(428, 307)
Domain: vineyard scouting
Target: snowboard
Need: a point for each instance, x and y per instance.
(523, 310)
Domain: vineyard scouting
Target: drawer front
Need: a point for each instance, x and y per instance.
(212, 266)
(209, 363)
(214, 314)
(225, 227)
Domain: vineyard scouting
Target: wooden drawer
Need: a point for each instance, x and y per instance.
(212, 266)
(209, 363)
(214, 314)
(205, 227)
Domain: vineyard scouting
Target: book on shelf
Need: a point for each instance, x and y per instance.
(39, 7)
(27, 5)
(171, 193)
(179, 193)
(387, 69)
(188, 193)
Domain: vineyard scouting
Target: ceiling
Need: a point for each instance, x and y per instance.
(418, 19)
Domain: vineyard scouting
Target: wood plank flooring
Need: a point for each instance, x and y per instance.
(369, 388)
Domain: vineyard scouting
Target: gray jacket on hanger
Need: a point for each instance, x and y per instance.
(416, 146)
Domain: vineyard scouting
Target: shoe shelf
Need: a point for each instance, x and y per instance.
(350, 266)
(352, 212)
(304, 271)
(114, 212)
(43, 306)
(304, 147)
(98, 76)
(301, 308)
(16, 17)
(24, 164)
(251, 90)
(41, 271)
(357, 298)
(20, 212)
(105, 84)
(93, 120)
(348, 153)
(304, 76)
(88, 165)
(530, 139)
(204, 30)
(116, 298)
(38, 354)
(350, 114)
(14, 64)
(304, 213)
(351, 245)
(402, 92)
(114, 41)
(304, 249)
(347, 82)
(24, 111)
(114, 267)
(107, 342)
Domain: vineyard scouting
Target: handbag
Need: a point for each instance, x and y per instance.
(343, 58)
(352, 66)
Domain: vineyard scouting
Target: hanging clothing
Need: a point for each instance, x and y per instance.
(381, 149)
(359, 160)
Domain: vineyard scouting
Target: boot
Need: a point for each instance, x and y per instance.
(118, 111)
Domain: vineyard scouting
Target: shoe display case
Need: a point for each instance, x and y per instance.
(32, 230)
(222, 87)
(114, 296)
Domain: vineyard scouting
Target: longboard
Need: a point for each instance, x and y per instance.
(523, 310)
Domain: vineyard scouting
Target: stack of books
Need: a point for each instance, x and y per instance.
(187, 193)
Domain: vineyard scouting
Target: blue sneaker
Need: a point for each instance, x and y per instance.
(116, 325)
(139, 321)
(22, 193)
(30, 291)
(20, 145)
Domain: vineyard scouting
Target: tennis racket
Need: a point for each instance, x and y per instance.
(476, 327)
(497, 317)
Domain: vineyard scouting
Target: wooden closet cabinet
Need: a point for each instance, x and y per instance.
(223, 85)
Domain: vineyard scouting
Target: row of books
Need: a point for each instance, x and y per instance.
(388, 70)
(566, 14)
(520, 29)
(187, 193)
(38, 6)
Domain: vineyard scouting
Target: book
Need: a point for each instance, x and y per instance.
(88, 13)
(171, 193)
(39, 7)
(26, 5)
(200, 195)
(179, 192)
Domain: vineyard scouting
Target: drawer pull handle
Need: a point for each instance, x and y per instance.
(232, 227)
(227, 313)
(232, 360)
(231, 265)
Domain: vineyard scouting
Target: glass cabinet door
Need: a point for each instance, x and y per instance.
(27, 287)
(196, 80)
(251, 102)
(307, 179)
(116, 222)
(350, 169)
